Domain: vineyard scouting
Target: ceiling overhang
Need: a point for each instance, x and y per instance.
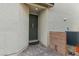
(41, 5)
(47, 5)
(37, 7)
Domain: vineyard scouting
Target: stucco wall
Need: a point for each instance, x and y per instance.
(43, 27)
(61, 11)
(14, 21)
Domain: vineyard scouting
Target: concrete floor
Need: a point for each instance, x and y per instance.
(38, 50)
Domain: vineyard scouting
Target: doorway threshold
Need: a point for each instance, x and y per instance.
(33, 42)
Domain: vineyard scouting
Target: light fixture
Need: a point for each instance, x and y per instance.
(65, 19)
(36, 8)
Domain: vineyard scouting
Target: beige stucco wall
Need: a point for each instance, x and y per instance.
(61, 11)
(43, 27)
(14, 19)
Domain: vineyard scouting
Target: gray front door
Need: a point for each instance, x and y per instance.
(33, 27)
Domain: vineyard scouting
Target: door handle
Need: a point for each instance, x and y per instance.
(32, 25)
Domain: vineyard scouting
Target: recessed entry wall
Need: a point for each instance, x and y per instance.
(43, 27)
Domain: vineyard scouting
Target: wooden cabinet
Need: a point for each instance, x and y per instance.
(57, 42)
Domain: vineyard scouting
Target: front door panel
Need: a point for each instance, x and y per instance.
(33, 27)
